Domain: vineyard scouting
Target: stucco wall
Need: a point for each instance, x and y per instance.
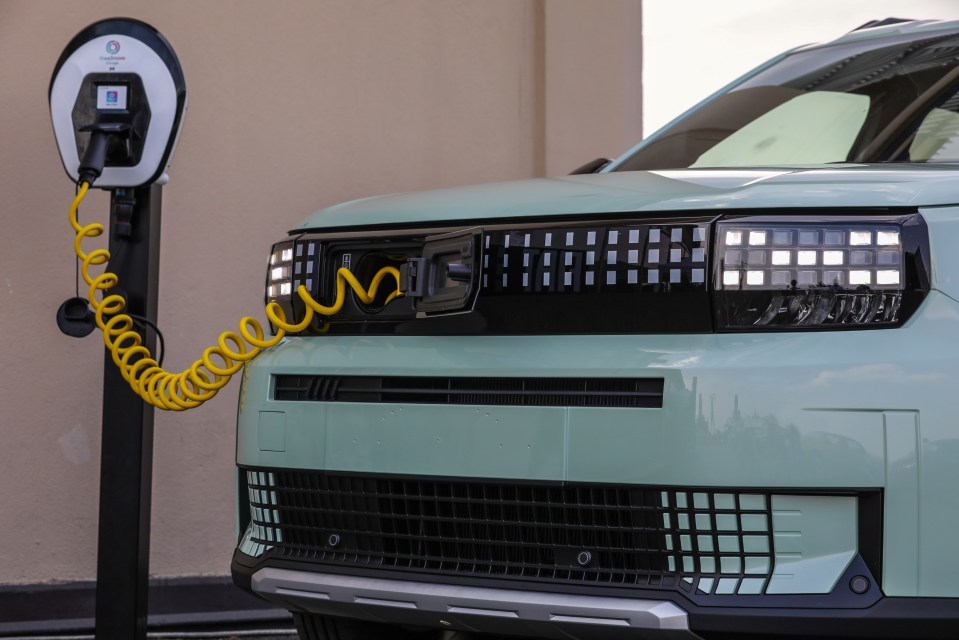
(294, 105)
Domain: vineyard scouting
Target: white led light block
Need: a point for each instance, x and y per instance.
(782, 257)
(286, 255)
(806, 257)
(832, 257)
(887, 238)
(860, 277)
(286, 289)
(887, 277)
(731, 278)
(278, 273)
(757, 238)
(859, 238)
(755, 278)
(734, 237)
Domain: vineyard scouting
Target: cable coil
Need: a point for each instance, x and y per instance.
(216, 366)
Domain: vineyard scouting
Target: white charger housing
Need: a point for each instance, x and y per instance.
(119, 75)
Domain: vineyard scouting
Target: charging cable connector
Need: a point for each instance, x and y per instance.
(217, 364)
(103, 135)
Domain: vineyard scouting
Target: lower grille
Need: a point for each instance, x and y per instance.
(625, 535)
(535, 392)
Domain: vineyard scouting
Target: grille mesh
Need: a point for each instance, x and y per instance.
(594, 534)
(639, 257)
(539, 392)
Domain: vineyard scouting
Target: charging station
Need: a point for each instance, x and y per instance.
(117, 101)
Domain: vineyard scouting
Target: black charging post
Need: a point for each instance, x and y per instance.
(126, 457)
(117, 100)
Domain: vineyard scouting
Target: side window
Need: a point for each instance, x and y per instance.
(812, 128)
(937, 138)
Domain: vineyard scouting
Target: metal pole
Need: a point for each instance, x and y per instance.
(126, 457)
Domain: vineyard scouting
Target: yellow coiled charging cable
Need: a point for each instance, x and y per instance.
(217, 365)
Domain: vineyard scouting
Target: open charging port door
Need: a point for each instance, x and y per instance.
(446, 278)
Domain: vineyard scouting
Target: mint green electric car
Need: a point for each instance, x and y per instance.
(709, 390)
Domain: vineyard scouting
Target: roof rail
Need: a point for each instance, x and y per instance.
(882, 23)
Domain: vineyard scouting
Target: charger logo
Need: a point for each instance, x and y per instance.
(113, 47)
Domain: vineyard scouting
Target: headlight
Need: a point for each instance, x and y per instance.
(780, 272)
(279, 277)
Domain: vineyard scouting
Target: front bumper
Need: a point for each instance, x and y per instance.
(839, 412)
(570, 615)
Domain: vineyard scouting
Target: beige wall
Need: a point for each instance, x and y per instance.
(293, 106)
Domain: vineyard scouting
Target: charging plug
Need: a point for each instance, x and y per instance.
(95, 155)
(413, 277)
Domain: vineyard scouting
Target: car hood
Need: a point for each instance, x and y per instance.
(655, 191)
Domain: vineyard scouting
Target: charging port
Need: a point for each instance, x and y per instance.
(446, 278)
(368, 266)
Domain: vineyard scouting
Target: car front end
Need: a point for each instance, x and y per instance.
(651, 402)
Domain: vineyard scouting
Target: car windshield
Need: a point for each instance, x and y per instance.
(875, 100)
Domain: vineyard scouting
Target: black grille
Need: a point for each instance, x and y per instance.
(627, 275)
(594, 534)
(535, 392)
(640, 257)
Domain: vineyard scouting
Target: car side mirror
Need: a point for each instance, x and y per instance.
(593, 166)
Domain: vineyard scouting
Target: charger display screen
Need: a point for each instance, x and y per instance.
(112, 96)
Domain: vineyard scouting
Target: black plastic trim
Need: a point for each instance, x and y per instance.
(872, 24)
(673, 309)
(883, 617)
(870, 531)
(540, 392)
(867, 564)
(245, 566)
(593, 166)
(915, 246)
(913, 618)
(243, 506)
(619, 308)
(420, 227)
